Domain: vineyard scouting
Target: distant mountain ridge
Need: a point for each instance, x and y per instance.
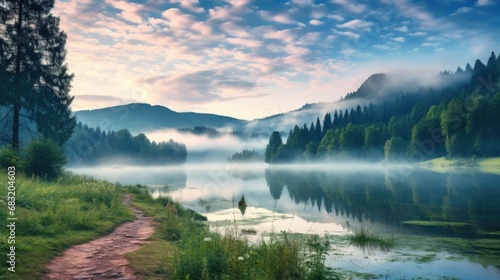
(142, 117)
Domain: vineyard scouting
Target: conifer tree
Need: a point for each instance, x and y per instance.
(35, 78)
(327, 123)
(491, 68)
(275, 142)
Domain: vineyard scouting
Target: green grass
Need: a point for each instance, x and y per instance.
(427, 258)
(365, 239)
(153, 261)
(192, 251)
(443, 165)
(52, 216)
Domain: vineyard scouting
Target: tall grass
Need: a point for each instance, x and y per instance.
(52, 216)
(364, 238)
(202, 254)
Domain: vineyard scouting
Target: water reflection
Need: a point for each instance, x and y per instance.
(464, 203)
(157, 177)
(323, 199)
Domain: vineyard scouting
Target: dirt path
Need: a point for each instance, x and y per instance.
(104, 258)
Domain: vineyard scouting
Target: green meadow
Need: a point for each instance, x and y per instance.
(55, 215)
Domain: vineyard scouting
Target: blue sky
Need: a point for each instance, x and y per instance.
(253, 58)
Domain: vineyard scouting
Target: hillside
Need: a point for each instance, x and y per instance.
(140, 117)
(375, 89)
(452, 114)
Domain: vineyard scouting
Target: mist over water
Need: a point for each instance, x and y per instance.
(335, 199)
(316, 186)
(203, 148)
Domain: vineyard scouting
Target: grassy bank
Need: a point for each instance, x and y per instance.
(183, 248)
(52, 216)
(442, 164)
(55, 215)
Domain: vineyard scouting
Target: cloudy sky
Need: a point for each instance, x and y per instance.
(253, 58)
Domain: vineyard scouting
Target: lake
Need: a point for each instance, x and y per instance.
(445, 225)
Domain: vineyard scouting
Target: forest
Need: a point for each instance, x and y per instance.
(458, 120)
(90, 146)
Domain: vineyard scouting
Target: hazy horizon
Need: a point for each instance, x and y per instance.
(265, 57)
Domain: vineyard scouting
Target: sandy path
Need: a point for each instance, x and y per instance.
(104, 258)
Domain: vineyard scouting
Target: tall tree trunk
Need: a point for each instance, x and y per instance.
(17, 81)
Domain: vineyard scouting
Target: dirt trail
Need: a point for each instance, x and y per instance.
(104, 258)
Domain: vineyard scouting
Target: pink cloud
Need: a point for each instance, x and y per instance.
(191, 5)
(286, 35)
(130, 11)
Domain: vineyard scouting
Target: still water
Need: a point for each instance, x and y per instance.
(419, 208)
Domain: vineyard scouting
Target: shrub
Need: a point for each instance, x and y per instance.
(9, 157)
(44, 158)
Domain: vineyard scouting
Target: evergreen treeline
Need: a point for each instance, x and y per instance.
(459, 120)
(201, 130)
(246, 156)
(90, 146)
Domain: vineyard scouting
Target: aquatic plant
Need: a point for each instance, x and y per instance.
(366, 239)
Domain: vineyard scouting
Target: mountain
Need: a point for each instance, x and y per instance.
(381, 85)
(409, 118)
(375, 89)
(376, 85)
(140, 117)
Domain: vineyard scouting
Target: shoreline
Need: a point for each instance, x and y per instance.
(442, 165)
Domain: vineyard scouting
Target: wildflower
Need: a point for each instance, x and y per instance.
(240, 258)
(207, 239)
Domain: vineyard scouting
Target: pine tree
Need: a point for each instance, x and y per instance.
(341, 119)
(312, 132)
(275, 142)
(468, 68)
(33, 68)
(352, 115)
(335, 122)
(317, 136)
(359, 115)
(491, 68)
(479, 73)
(498, 68)
(327, 123)
(346, 118)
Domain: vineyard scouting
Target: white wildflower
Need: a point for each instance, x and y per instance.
(207, 239)
(240, 258)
